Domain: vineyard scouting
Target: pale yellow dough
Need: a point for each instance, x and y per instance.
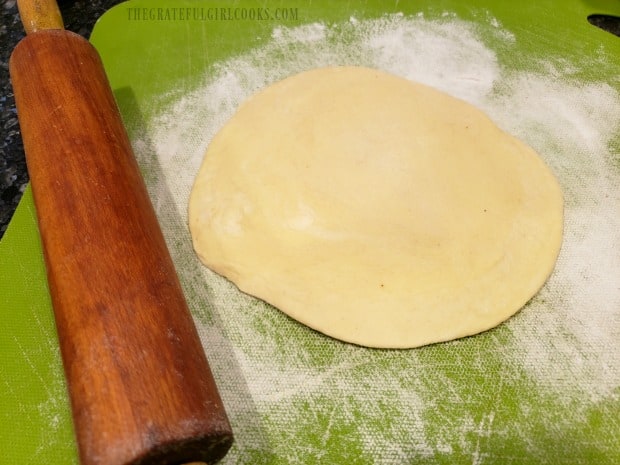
(376, 210)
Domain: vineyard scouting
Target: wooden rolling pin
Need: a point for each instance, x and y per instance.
(140, 386)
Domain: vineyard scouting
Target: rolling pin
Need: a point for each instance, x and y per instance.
(140, 386)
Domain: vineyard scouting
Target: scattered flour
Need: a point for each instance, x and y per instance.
(566, 342)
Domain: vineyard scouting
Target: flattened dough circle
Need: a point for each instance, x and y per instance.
(376, 210)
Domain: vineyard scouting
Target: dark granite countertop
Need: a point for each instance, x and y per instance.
(78, 16)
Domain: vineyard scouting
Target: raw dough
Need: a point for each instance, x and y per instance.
(375, 210)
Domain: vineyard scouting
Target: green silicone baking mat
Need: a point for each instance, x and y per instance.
(542, 388)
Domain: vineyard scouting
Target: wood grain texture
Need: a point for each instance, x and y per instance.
(140, 386)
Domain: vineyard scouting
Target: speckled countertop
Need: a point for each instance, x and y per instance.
(80, 17)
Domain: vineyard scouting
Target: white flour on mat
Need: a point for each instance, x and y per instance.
(567, 340)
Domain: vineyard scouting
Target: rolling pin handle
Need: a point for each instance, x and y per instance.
(39, 15)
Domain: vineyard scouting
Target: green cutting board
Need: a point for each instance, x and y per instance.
(293, 395)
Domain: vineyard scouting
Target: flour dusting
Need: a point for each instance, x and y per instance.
(399, 405)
